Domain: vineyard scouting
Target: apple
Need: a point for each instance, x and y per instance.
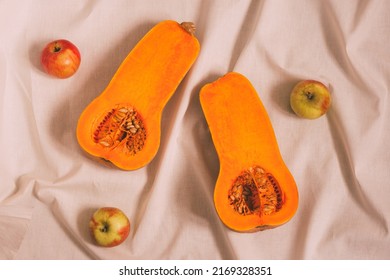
(60, 58)
(109, 226)
(310, 99)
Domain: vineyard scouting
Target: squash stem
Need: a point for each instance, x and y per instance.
(189, 27)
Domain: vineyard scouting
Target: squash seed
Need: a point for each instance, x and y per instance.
(121, 127)
(255, 192)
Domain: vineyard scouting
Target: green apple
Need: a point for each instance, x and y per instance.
(109, 226)
(310, 99)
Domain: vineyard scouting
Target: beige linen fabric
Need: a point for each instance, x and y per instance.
(340, 161)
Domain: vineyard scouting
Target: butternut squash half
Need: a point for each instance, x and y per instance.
(122, 125)
(254, 188)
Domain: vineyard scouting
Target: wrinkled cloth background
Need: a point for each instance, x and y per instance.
(49, 187)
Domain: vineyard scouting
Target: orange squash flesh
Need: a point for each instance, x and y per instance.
(144, 82)
(244, 139)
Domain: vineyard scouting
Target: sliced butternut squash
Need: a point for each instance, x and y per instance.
(122, 125)
(254, 189)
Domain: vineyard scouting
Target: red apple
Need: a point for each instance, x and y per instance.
(60, 58)
(109, 226)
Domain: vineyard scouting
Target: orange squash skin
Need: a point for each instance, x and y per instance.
(244, 138)
(145, 81)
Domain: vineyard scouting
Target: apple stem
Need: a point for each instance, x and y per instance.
(57, 48)
(310, 95)
(104, 228)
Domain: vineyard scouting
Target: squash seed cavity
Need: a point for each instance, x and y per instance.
(122, 127)
(255, 192)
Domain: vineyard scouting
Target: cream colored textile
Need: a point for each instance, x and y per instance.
(340, 161)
